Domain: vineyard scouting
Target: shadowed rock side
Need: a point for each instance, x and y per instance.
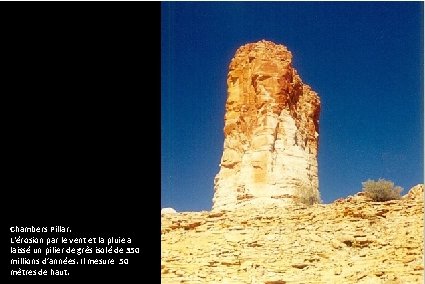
(352, 240)
(271, 130)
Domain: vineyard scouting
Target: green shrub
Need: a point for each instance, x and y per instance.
(307, 194)
(381, 190)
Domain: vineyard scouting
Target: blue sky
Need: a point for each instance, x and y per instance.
(364, 59)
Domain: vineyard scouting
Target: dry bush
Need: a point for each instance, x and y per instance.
(381, 190)
(307, 194)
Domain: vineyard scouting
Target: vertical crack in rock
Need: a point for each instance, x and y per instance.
(271, 130)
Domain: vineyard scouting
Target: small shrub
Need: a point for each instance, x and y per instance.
(381, 190)
(307, 194)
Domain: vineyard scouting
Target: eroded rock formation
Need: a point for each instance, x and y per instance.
(271, 130)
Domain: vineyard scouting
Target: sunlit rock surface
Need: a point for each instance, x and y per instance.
(271, 130)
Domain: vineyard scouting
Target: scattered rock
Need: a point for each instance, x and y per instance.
(300, 265)
(255, 245)
(216, 214)
(336, 244)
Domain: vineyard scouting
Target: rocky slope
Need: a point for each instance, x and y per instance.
(352, 240)
(271, 130)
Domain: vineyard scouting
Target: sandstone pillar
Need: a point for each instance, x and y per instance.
(271, 130)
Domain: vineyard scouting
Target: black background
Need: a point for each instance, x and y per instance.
(81, 126)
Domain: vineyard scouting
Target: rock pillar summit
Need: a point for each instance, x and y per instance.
(271, 131)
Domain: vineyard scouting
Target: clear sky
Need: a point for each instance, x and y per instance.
(364, 59)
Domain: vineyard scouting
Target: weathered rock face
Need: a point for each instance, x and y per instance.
(416, 192)
(168, 210)
(271, 130)
(349, 241)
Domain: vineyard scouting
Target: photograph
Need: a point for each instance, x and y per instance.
(292, 142)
